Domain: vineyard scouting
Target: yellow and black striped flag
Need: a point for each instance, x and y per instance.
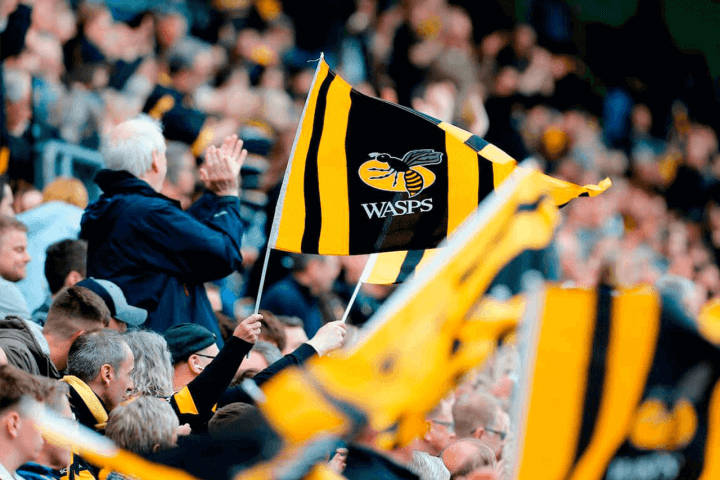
(425, 337)
(620, 386)
(368, 176)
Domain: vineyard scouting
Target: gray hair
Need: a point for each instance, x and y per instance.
(17, 85)
(143, 424)
(428, 467)
(130, 145)
(473, 410)
(90, 351)
(270, 352)
(153, 373)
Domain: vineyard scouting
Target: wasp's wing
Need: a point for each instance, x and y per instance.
(417, 158)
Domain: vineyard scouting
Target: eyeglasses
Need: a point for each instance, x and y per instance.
(500, 434)
(206, 356)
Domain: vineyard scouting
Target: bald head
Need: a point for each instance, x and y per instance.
(468, 456)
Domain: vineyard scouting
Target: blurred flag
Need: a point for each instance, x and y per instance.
(620, 386)
(97, 449)
(424, 338)
(368, 176)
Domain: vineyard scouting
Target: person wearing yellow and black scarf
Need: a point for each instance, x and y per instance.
(202, 372)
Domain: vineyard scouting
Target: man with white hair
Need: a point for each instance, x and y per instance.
(159, 255)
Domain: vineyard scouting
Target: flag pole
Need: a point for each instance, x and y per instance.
(262, 277)
(351, 302)
(363, 277)
(279, 206)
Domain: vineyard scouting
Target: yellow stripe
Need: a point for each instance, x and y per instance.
(558, 384)
(292, 221)
(562, 192)
(185, 402)
(4, 159)
(633, 336)
(386, 268)
(164, 103)
(428, 257)
(456, 132)
(711, 468)
(462, 166)
(90, 399)
(203, 140)
(332, 172)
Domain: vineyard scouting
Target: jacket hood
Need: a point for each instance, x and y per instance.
(16, 328)
(113, 183)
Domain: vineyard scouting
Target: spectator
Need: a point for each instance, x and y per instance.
(18, 109)
(121, 314)
(478, 415)
(441, 430)
(53, 460)
(64, 267)
(202, 371)
(330, 337)
(299, 294)
(44, 352)
(272, 330)
(232, 416)
(180, 180)
(153, 372)
(262, 355)
(469, 456)
(56, 219)
(6, 198)
(99, 366)
(428, 467)
(294, 333)
(14, 258)
(143, 425)
(172, 253)
(20, 439)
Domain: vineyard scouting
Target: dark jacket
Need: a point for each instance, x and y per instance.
(157, 254)
(22, 349)
(363, 463)
(295, 358)
(195, 403)
(287, 297)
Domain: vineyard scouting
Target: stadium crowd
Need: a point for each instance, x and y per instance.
(132, 314)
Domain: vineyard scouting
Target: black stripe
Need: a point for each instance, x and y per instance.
(476, 143)
(486, 180)
(313, 208)
(412, 259)
(530, 207)
(596, 371)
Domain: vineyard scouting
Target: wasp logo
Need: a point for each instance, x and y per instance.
(401, 174)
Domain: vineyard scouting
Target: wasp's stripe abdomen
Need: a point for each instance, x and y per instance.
(413, 182)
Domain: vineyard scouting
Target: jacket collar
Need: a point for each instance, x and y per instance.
(114, 182)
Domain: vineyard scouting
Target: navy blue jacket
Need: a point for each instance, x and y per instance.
(157, 254)
(287, 297)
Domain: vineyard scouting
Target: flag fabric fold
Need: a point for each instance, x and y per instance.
(368, 176)
(620, 384)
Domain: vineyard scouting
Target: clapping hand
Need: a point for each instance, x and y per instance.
(221, 170)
